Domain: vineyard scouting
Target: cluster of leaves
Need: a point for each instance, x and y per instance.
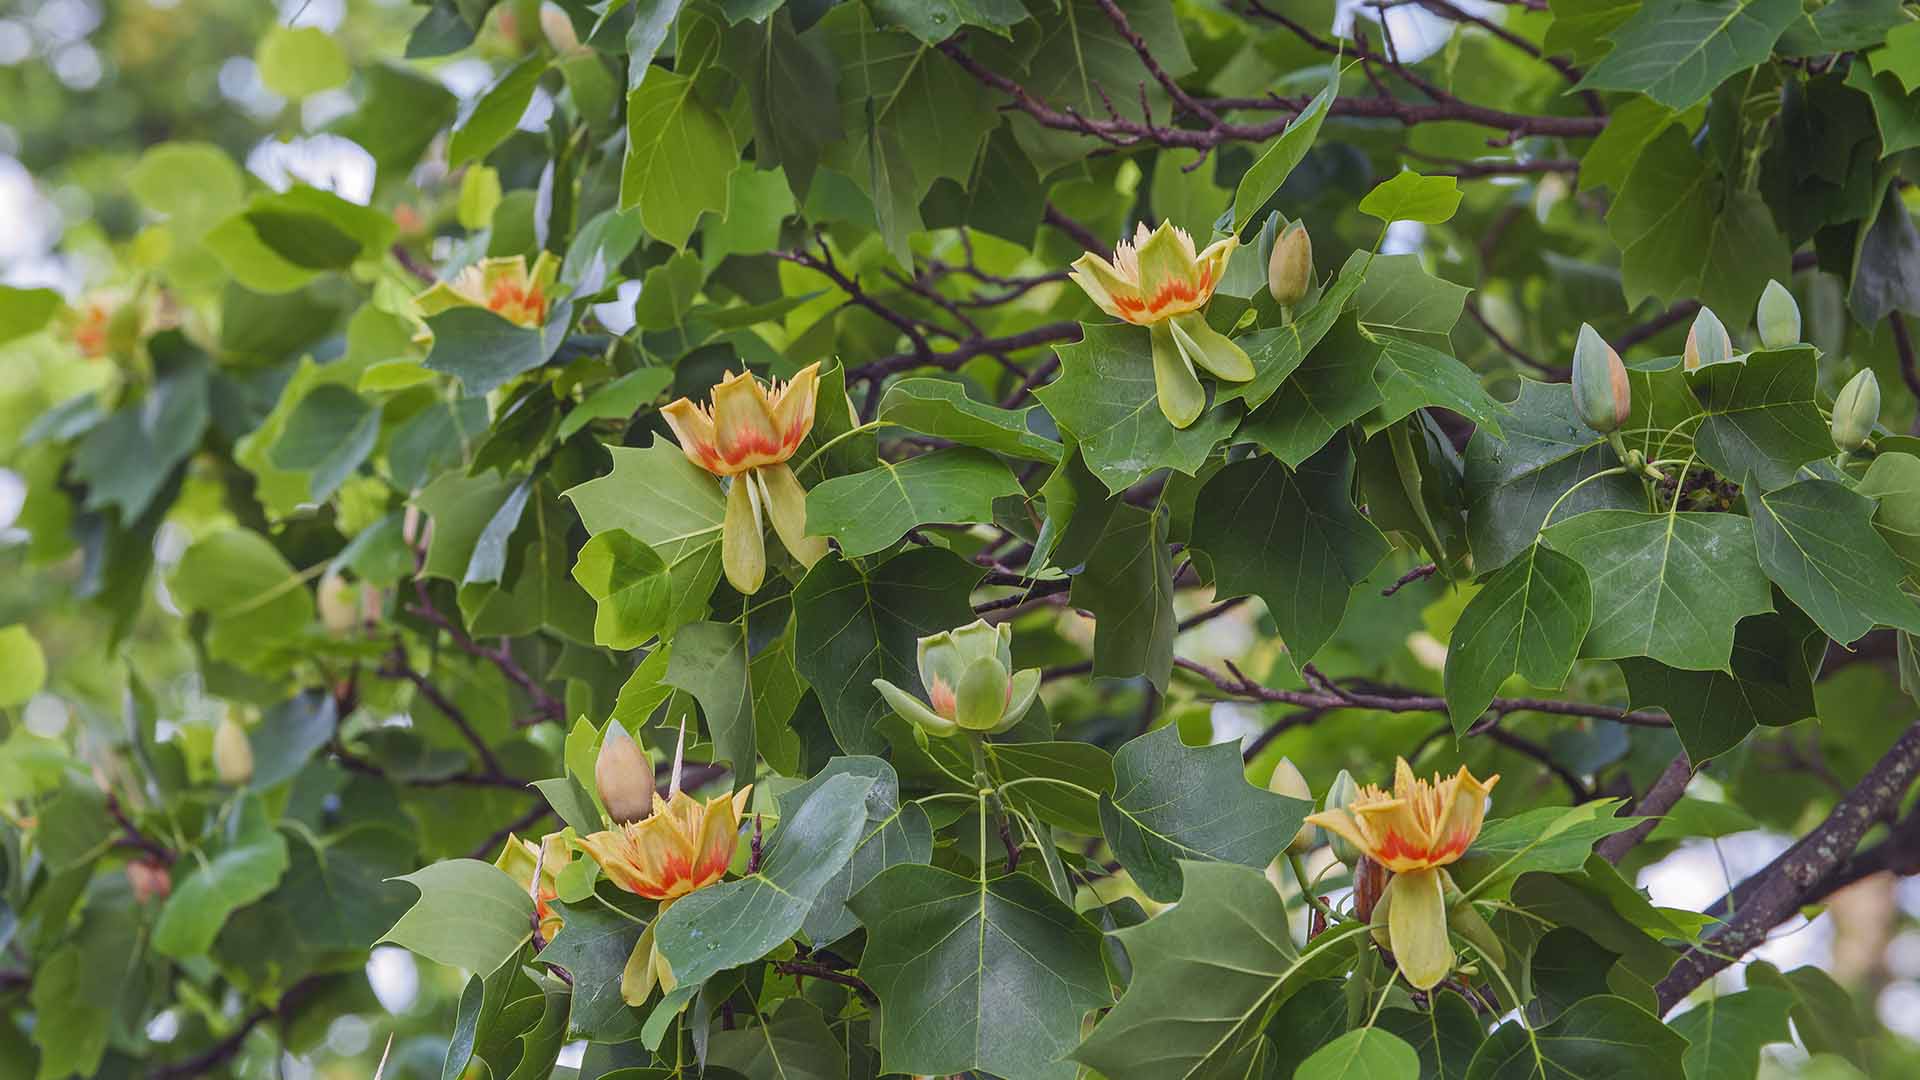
(426, 562)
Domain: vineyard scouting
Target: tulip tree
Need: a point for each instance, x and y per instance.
(831, 539)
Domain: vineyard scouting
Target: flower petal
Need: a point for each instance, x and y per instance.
(743, 552)
(912, 710)
(1211, 349)
(793, 408)
(1417, 927)
(743, 423)
(787, 508)
(693, 430)
(1182, 398)
(1113, 291)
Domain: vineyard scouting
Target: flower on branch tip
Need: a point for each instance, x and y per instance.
(970, 683)
(521, 859)
(1602, 396)
(1158, 280)
(682, 846)
(746, 436)
(1415, 831)
(504, 286)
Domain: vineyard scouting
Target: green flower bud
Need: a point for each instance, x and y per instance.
(1340, 795)
(1856, 410)
(1290, 267)
(1778, 317)
(970, 682)
(1601, 394)
(232, 753)
(1286, 780)
(1707, 342)
(624, 775)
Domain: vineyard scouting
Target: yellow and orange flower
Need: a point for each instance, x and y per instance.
(504, 286)
(682, 846)
(1158, 280)
(520, 858)
(746, 437)
(1415, 831)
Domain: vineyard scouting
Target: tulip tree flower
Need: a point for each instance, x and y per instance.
(1414, 832)
(746, 437)
(970, 681)
(522, 859)
(504, 286)
(1160, 282)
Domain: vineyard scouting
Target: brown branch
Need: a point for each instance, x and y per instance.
(397, 667)
(823, 264)
(1520, 744)
(546, 706)
(1139, 44)
(809, 969)
(1809, 870)
(131, 836)
(1416, 574)
(967, 350)
(1567, 71)
(213, 1057)
(1076, 232)
(1660, 797)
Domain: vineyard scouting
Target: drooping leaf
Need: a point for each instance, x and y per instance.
(1331, 389)
(470, 915)
(1412, 376)
(667, 503)
(710, 662)
(1761, 415)
(1770, 682)
(1527, 620)
(1552, 839)
(679, 153)
(1128, 586)
(1277, 162)
(896, 832)
(594, 942)
(1361, 1054)
(868, 511)
(1817, 542)
(1726, 1032)
(941, 408)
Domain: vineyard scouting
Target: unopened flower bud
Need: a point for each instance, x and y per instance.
(558, 27)
(1290, 267)
(1856, 410)
(1286, 780)
(150, 880)
(1707, 342)
(1340, 794)
(232, 753)
(1602, 396)
(624, 775)
(1779, 317)
(970, 682)
(336, 603)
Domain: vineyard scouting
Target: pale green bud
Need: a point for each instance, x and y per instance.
(970, 682)
(1602, 396)
(1707, 341)
(1778, 317)
(1856, 410)
(232, 753)
(1286, 780)
(1290, 267)
(623, 774)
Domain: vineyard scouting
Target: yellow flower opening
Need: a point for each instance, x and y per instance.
(521, 858)
(682, 846)
(504, 286)
(746, 437)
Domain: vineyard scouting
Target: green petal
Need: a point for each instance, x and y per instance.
(1417, 926)
(1182, 398)
(981, 698)
(1211, 349)
(1026, 687)
(743, 552)
(913, 710)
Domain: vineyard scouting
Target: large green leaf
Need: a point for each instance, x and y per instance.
(1105, 399)
(1128, 586)
(1667, 586)
(1726, 1032)
(1761, 415)
(1770, 682)
(868, 511)
(1367, 1053)
(128, 458)
(239, 874)
(1277, 162)
(1293, 538)
(256, 601)
(736, 922)
(1817, 542)
(710, 662)
(1677, 51)
(667, 503)
(1083, 61)
(593, 945)
(1894, 480)
(1511, 484)
(1445, 1035)
(1331, 389)
(470, 915)
(1527, 620)
(1173, 804)
(633, 591)
(794, 1043)
(895, 832)
(1551, 839)
(855, 624)
(1220, 961)
(1409, 196)
(1277, 352)
(329, 434)
(1412, 375)
(1602, 1036)
(491, 117)
(679, 153)
(941, 408)
(977, 973)
(1400, 298)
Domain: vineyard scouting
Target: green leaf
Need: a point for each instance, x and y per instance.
(854, 625)
(1412, 376)
(1445, 1035)
(257, 603)
(941, 408)
(1367, 1053)
(622, 397)
(1083, 61)
(1667, 586)
(23, 666)
(736, 922)
(679, 153)
(1408, 196)
(710, 662)
(1221, 961)
(1277, 162)
(790, 83)
(952, 957)
(1333, 388)
(934, 21)
(1817, 542)
(868, 511)
(1839, 27)
(328, 434)
(128, 458)
(297, 61)
(1078, 763)
(1128, 587)
(470, 915)
(484, 350)
(25, 311)
(1527, 620)
(1104, 397)
(1598, 1036)
(241, 873)
(1824, 1014)
(794, 1043)
(1511, 484)
(1293, 538)
(402, 112)
(1677, 51)
(1770, 682)
(669, 504)
(1078, 507)
(1552, 839)
(1685, 232)
(1761, 415)
(494, 114)
(1281, 351)
(1400, 298)
(895, 832)
(1726, 1032)
(593, 945)
(1173, 804)
(191, 183)
(633, 589)
(1894, 480)
(1701, 817)
(72, 1038)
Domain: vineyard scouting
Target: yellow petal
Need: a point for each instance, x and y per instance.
(743, 423)
(1111, 290)
(693, 430)
(787, 508)
(637, 977)
(743, 552)
(1170, 279)
(1417, 927)
(792, 407)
